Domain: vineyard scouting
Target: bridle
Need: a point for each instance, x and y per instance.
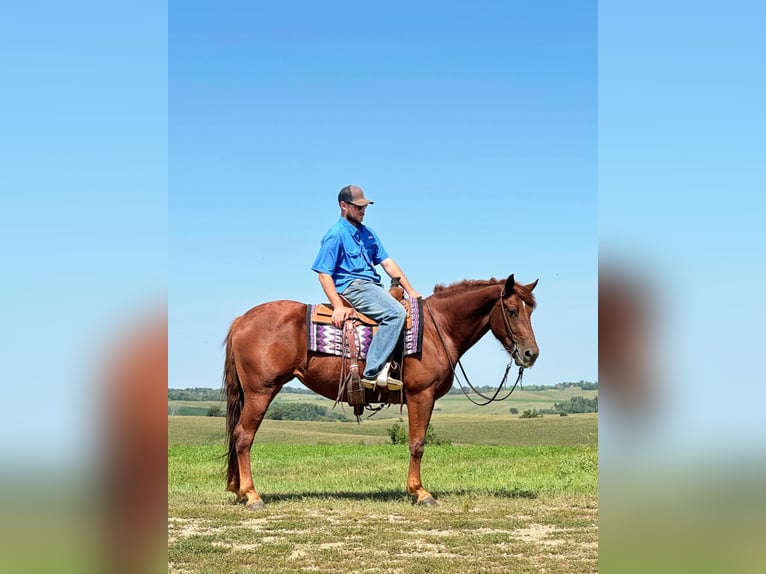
(513, 351)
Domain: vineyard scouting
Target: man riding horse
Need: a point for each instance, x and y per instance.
(346, 266)
(269, 345)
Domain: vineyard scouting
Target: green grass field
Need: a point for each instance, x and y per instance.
(516, 495)
(460, 429)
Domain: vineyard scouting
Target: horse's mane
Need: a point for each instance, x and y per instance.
(466, 285)
(469, 284)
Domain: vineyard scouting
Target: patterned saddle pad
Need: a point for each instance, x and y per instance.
(328, 339)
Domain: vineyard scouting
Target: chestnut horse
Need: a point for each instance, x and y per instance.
(267, 346)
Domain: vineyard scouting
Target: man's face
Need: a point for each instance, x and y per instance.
(353, 213)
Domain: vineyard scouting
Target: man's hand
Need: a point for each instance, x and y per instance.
(339, 311)
(339, 315)
(393, 270)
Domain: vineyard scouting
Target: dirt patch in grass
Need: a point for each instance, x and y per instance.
(519, 535)
(179, 528)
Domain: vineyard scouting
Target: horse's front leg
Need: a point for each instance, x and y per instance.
(419, 408)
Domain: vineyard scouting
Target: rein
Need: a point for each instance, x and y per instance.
(454, 365)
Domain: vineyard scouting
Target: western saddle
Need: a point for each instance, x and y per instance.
(350, 385)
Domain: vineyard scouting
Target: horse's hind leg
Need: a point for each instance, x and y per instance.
(253, 411)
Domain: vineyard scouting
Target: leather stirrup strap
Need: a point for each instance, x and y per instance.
(349, 332)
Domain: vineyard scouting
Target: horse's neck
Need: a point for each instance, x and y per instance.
(464, 317)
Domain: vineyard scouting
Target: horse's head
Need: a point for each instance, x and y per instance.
(510, 322)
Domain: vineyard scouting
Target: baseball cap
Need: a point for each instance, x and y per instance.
(353, 194)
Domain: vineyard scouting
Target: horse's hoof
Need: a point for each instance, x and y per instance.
(428, 501)
(256, 505)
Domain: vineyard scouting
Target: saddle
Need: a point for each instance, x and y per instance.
(322, 315)
(354, 333)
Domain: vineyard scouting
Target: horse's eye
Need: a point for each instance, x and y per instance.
(513, 312)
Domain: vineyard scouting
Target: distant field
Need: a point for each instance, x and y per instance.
(520, 399)
(572, 430)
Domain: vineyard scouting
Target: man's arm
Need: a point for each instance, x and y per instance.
(393, 270)
(339, 311)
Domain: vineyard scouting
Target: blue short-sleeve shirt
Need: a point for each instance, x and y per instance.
(349, 253)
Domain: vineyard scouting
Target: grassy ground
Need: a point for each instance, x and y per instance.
(516, 495)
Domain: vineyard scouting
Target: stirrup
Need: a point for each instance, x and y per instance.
(391, 383)
(394, 384)
(369, 383)
(379, 380)
(386, 381)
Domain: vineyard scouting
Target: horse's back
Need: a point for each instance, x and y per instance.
(274, 317)
(283, 308)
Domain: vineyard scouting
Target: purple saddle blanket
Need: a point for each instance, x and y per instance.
(328, 339)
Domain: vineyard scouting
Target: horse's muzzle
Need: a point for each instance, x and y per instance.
(526, 357)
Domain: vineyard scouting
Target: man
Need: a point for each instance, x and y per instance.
(346, 265)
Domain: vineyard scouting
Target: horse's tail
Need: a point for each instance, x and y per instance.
(235, 398)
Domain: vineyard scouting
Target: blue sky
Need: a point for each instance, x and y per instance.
(224, 139)
(83, 208)
(472, 128)
(681, 185)
(206, 158)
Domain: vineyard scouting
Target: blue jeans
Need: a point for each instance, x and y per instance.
(375, 302)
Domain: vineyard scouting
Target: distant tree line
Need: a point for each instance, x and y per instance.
(577, 405)
(277, 411)
(572, 406)
(303, 412)
(206, 394)
(584, 385)
(195, 394)
(297, 390)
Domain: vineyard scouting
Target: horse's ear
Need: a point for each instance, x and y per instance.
(532, 285)
(509, 283)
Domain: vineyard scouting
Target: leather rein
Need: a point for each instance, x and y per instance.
(513, 351)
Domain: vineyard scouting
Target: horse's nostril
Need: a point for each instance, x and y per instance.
(528, 354)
